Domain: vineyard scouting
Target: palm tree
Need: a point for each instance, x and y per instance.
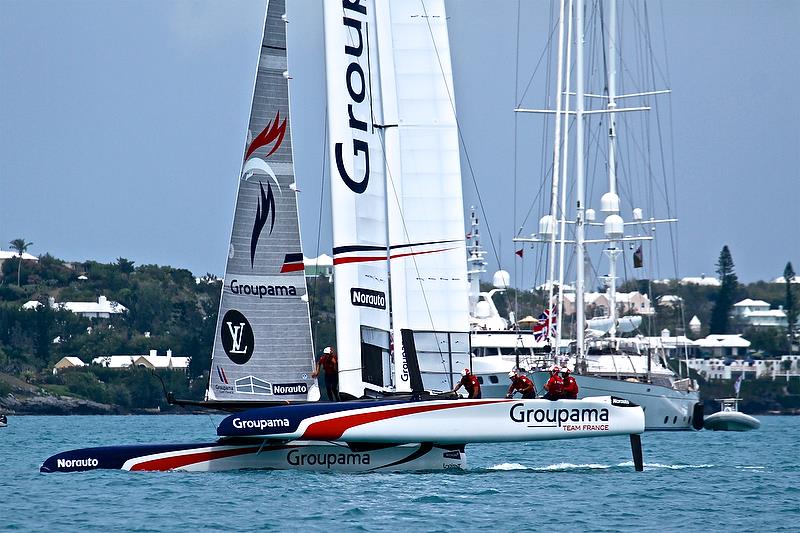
(20, 246)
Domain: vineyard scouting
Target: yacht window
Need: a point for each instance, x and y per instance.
(674, 419)
(493, 379)
(508, 351)
(666, 418)
(480, 380)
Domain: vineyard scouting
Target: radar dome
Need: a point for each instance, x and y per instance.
(501, 280)
(609, 203)
(547, 226)
(614, 227)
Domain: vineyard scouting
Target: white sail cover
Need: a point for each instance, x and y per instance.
(358, 196)
(430, 290)
(262, 348)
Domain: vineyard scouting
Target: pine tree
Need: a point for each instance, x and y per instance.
(720, 314)
(790, 304)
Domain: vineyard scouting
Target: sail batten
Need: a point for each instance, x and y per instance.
(262, 348)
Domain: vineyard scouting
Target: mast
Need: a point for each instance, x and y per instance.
(565, 155)
(580, 185)
(556, 166)
(610, 201)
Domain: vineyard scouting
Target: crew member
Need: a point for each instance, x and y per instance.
(330, 364)
(470, 383)
(554, 385)
(522, 384)
(570, 388)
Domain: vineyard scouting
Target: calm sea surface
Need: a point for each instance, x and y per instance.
(710, 481)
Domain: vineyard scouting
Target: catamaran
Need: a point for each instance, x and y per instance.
(400, 280)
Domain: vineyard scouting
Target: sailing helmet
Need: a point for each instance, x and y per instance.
(512, 374)
(327, 349)
(465, 372)
(554, 369)
(566, 370)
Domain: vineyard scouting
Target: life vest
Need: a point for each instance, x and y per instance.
(329, 363)
(522, 383)
(554, 386)
(472, 385)
(570, 388)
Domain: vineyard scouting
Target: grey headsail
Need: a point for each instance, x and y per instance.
(262, 347)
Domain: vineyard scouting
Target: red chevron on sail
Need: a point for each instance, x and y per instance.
(275, 130)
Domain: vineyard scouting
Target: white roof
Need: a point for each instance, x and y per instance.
(102, 305)
(162, 361)
(115, 361)
(747, 302)
(694, 321)
(322, 260)
(67, 361)
(723, 341)
(669, 298)
(702, 280)
(8, 254)
(781, 279)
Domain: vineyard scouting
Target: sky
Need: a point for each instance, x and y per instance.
(122, 126)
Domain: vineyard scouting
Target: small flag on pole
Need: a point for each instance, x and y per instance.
(638, 257)
(520, 252)
(738, 385)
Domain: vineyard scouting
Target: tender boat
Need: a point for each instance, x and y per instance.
(3, 421)
(728, 418)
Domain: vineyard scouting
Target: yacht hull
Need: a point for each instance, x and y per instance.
(259, 455)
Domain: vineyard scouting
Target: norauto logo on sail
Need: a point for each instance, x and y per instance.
(588, 418)
(253, 289)
(367, 298)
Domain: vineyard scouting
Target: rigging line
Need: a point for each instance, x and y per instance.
(539, 61)
(521, 270)
(460, 134)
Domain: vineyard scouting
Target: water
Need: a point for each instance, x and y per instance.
(710, 481)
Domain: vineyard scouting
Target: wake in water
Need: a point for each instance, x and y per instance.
(564, 467)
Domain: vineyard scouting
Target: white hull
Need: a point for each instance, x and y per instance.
(258, 454)
(665, 409)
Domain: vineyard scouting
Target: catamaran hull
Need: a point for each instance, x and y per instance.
(439, 421)
(665, 409)
(255, 455)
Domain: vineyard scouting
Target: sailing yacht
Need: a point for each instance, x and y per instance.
(604, 361)
(400, 281)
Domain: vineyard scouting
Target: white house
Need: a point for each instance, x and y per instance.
(102, 308)
(67, 362)
(758, 313)
(723, 345)
(5, 255)
(320, 266)
(707, 281)
(151, 360)
(627, 302)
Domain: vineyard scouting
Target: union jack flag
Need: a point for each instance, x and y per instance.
(540, 330)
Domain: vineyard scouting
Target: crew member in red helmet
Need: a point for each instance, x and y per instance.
(554, 385)
(570, 389)
(470, 383)
(521, 383)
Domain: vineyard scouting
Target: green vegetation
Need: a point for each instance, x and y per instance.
(726, 296)
(169, 309)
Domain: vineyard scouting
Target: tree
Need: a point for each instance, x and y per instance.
(790, 304)
(20, 246)
(720, 314)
